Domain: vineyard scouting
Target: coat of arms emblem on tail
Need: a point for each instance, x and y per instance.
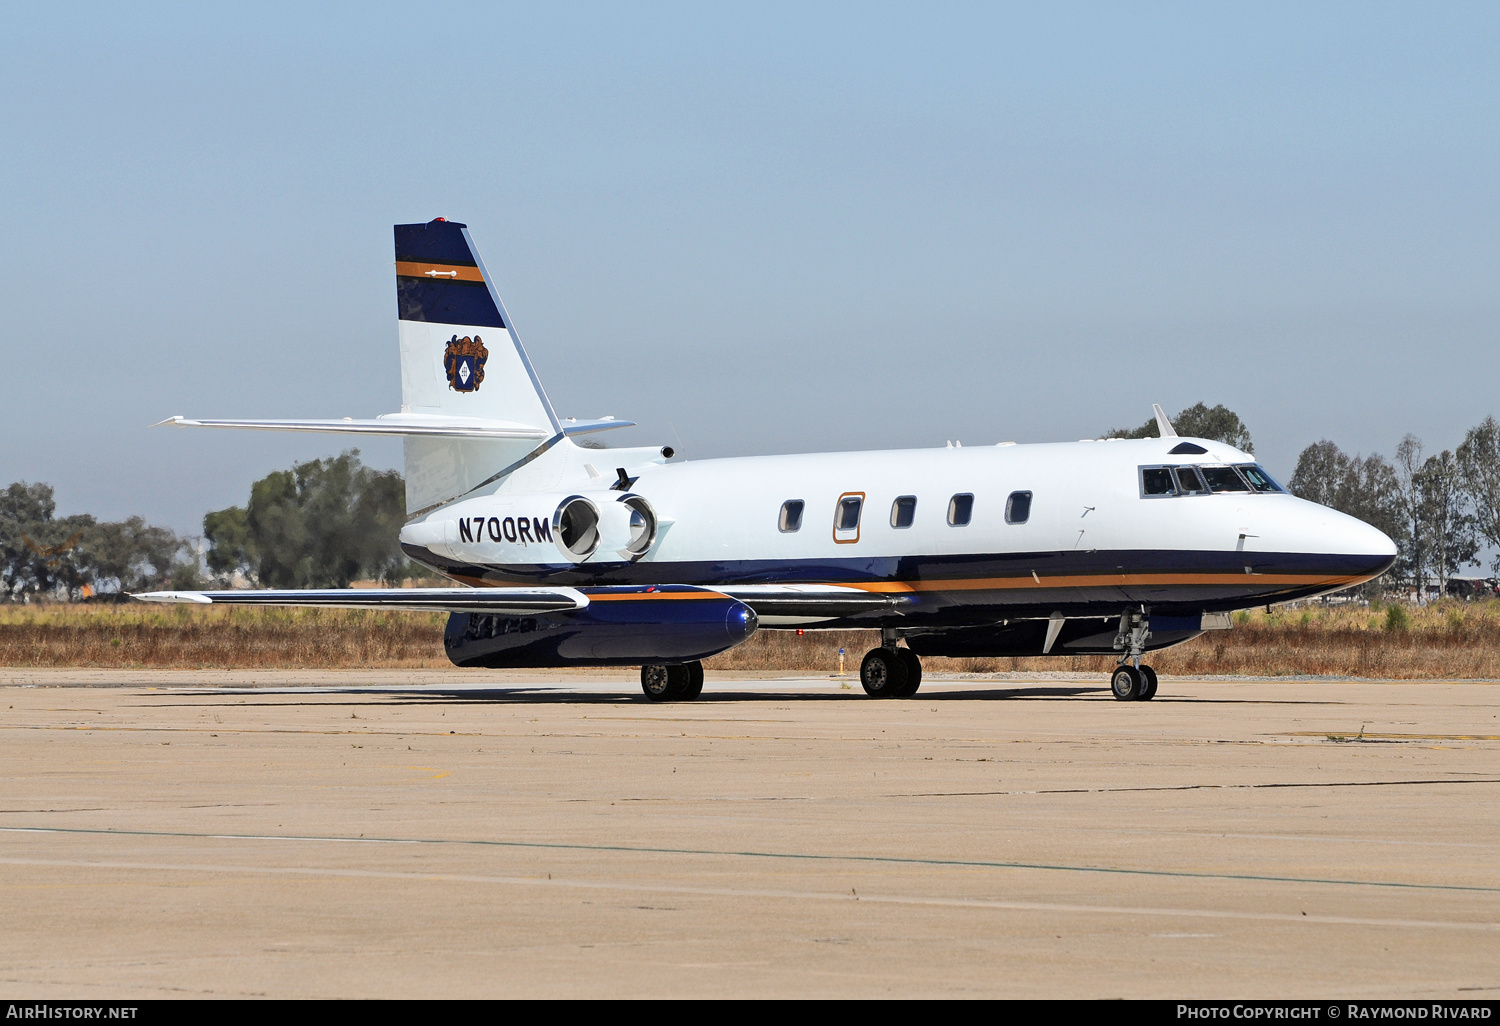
(463, 361)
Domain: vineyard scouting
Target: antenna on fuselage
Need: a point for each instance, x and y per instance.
(1163, 425)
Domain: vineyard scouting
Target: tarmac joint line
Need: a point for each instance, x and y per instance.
(788, 856)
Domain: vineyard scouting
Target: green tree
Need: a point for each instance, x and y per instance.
(1361, 486)
(231, 549)
(132, 555)
(1411, 564)
(1216, 423)
(39, 552)
(320, 524)
(1479, 463)
(43, 554)
(1447, 524)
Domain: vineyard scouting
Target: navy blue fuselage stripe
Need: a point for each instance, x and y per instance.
(1013, 565)
(446, 302)
(945, 603)
(439, 242)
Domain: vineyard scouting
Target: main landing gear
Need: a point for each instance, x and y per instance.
(890, 672)
(679, 682)
(1132, 680)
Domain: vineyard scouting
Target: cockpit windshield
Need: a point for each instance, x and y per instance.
(1163, 482)
(1258, 478)
(1224, 479)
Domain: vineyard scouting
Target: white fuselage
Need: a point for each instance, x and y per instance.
(1091, 539)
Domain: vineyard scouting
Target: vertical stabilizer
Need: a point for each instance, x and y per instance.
(1163, 425)
(460, 357)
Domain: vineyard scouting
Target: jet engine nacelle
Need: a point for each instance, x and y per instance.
(510, 530)
(625, 627)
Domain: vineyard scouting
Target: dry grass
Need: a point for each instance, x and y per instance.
(219, 637)
(1445, 640)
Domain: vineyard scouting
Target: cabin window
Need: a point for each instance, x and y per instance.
(1224, 479)
(791, 516)
(1018, 508)
(1258, 478)
(846, 517)
(1189, 481)
(960, 510)
(1157, 481)
(903, 510)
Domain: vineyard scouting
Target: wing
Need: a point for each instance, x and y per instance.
(774, 604)
(413, 425)
(510, 601)
(782, 605)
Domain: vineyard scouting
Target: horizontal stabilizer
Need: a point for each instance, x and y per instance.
(572, 427)
(392, 424)
(510, 601)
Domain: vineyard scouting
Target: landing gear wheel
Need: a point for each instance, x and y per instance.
(664, 683)
(913, 673)
(1148, 691)
(1127, 683)
(883, 673)
(695, 681)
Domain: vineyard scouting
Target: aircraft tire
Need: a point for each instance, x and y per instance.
(663, 683)
(1126, 683)
(913, 672)
(695, 681)
(1148, 689)
(882, 674)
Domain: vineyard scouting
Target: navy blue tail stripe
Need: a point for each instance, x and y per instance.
(437, 242)
(446, 302)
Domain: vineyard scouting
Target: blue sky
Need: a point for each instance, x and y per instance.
(750, 228)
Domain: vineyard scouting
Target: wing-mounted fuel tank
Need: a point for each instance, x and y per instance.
(621, 626)
(532, 529)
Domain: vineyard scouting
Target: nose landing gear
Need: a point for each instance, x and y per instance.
(1133, 681)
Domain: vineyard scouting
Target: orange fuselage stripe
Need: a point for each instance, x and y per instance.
(997, 584)
(1096, 581)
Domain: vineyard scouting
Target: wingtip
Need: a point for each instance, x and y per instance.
(193, 597)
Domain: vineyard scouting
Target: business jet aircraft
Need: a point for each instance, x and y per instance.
(572, 556)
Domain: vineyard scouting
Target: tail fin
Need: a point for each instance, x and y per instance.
(460, 357)
(459, 354)
(472, 409)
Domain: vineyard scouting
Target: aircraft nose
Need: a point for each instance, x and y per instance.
(1370, 541)
(1366, 549)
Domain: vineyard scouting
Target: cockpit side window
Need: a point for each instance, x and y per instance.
(791, 516)
(1157, 481)
(1258, 478)
(1224, 479)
